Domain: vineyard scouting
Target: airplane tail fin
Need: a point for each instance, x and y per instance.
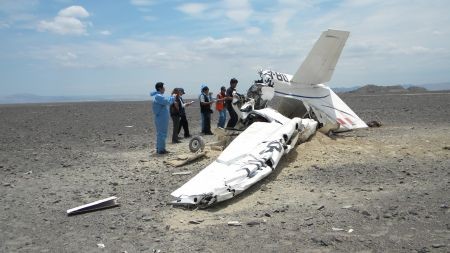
(318, 67)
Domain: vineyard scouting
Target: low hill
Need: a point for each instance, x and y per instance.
(397, 89)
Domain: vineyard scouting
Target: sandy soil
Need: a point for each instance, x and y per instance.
(381, 189)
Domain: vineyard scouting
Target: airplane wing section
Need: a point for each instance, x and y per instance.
(319, 65)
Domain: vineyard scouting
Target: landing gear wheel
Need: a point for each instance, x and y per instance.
(197, 143)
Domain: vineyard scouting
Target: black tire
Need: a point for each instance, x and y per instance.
(197, 143)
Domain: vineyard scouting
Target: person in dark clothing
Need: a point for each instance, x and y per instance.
(175, 115)
(205, 110)
(228, 103)
(183, 119)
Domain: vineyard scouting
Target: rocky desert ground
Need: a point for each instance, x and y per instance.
(383, 189)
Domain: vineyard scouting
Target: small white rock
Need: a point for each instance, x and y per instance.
(234, 223)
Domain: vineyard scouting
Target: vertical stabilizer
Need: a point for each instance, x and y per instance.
(319, 66)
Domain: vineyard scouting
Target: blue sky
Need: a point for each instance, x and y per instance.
(123, 47)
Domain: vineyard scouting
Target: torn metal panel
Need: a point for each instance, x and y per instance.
(94, 206)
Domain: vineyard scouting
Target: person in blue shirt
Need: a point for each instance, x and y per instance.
(161, 116)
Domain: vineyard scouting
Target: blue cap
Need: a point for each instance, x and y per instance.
(203, 86)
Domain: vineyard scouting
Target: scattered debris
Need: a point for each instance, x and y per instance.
(94, 206)
(217, 148)
(319, 241)
(147, 218)
(263, 187)
(177, 162)
(195, 221)
(182, 173)
(234, 223)
(387, 215)
(374, 123)
(253, 223)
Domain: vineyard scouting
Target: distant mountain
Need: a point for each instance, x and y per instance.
(31, 98)
(344, 89)
(403, 88)
(433, 86)
(376, 89)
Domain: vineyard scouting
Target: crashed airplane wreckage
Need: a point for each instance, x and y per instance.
(306, 104)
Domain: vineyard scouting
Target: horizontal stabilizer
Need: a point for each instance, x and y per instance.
(329, 109)
(319, 65)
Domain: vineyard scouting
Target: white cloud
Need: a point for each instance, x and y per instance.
(280, 22)
(142, 2)
(238, 10)
(16, 6)
(68, 22)
(122, 54)
(74, 12)
(105, 32)
(4, 25)
(192, 9)
(223, 43)
(149, 18)
(252, 30)
(66, 56)
(18, 14)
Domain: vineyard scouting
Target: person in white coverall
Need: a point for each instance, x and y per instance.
(161, 116)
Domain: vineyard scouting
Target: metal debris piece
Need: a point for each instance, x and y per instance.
(182, 173)
(94, 206)
(234, 223)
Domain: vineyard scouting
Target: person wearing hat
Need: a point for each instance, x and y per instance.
(183, 119)
(161, 115)
(228, 103)
(220, 107)
(205, 110)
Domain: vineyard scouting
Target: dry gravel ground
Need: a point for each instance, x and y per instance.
(382, 189)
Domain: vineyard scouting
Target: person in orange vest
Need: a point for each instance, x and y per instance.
(220, 107)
